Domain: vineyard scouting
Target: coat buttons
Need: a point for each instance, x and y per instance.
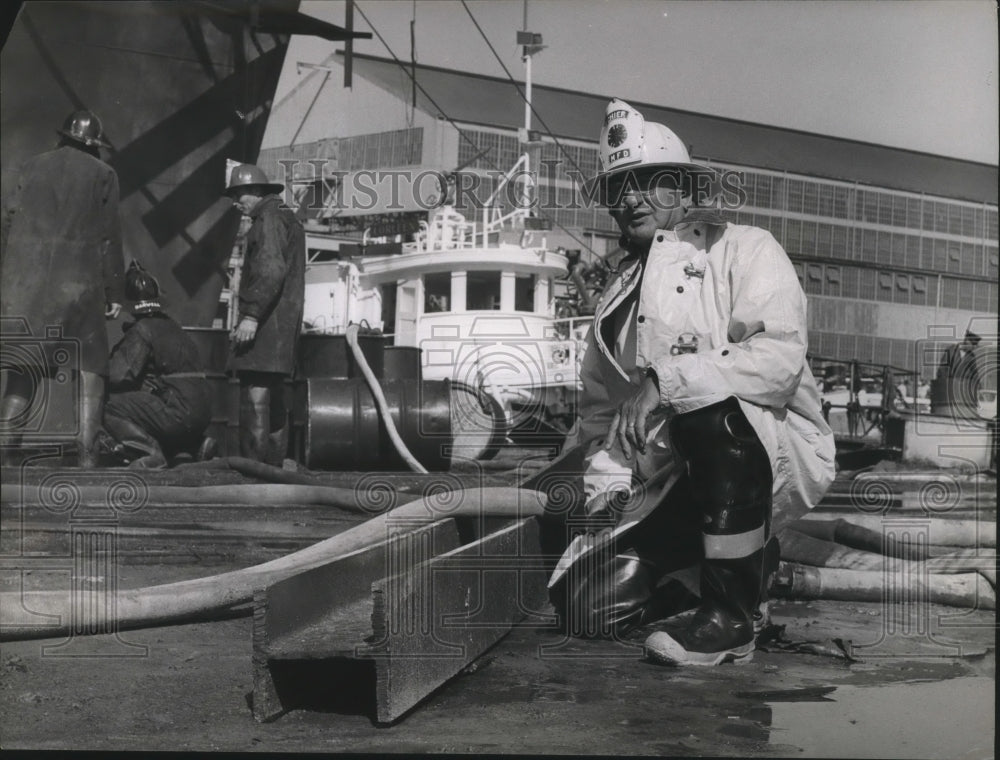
(641, 318)
(659, 238)
(725, 352)
(680, 288)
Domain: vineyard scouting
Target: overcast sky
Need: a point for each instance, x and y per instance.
(906, 73)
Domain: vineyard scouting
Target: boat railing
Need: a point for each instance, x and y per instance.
(493, 218)
(572, 327)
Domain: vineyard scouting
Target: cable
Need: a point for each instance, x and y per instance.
(538, 116)
(457, 128)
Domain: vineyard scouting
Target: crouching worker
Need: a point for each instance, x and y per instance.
(703, 414)
(160, 402)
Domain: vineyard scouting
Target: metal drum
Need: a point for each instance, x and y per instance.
(402, 363)
(343, 430)
(477, 421)
(213, 350)
(329, 356)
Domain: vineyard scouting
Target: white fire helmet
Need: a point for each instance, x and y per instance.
(630, 143)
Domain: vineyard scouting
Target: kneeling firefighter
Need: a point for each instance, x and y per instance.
(160, 402)
(701, 411)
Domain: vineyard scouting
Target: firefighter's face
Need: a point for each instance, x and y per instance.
(642, 205)
(247, 200)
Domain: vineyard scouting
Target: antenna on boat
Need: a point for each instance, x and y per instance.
(531, 43)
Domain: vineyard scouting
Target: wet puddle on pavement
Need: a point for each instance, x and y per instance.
(953, 718)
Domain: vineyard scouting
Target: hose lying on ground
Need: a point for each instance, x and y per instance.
(864, 539)
(950, 532)
(130, 496)
(805, 582)
(21, 612)
(807, 550)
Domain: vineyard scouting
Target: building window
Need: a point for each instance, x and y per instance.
(868, 284)
(949, 293)
(808, 238)
(483, 291)
(851, 283)
(841, 242)
(901, 294)
(982, 296)
(437, 292)
(913, 251)
(898, 250)
(832, 287)
(885, 286)
(795, 195)
(918, 290)
(966, 294)
(868, 240)
(814, 279)
(884, 251)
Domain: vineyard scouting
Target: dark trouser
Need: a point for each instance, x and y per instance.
(718, 514)
(154, 426)
(263, 417)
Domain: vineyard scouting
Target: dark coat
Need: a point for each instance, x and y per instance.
(61, 250)
(153, 383)
(272, 288)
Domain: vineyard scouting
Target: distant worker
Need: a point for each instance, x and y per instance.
(62, 267)
(696, 365)
(827, 406)
(264, 339)
(160, 402)
(959, 373)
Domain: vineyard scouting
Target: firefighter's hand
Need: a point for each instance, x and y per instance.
(244, 333)
(113, 310)
(628, 428)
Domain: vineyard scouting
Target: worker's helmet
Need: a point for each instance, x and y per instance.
(84, 127)
(141, 287)
(247, 175)
(632, 147)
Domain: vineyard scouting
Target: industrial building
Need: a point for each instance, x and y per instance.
(894, 248)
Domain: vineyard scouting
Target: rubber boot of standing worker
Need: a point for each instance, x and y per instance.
(91, 414)
(12, 412)
(263, 423)
(255, 414)
(731, 479)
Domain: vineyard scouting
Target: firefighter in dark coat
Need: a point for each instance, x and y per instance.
(62, 267)
(160, 401)
(271, 296)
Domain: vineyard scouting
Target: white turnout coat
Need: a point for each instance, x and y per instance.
(719, 312)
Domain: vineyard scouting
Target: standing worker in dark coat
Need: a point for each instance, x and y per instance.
(160, 401)
(271, 296)
(62, 266)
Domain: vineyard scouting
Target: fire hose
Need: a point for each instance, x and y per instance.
(383, 405)
(220, 595)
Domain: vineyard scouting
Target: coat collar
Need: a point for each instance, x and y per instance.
(267, 201)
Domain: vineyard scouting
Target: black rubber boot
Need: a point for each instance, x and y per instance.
(255, 415)
(731, 480)
(139, 449)
(91, 411)
(277, 446)
(12, 408)
(722, 627)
